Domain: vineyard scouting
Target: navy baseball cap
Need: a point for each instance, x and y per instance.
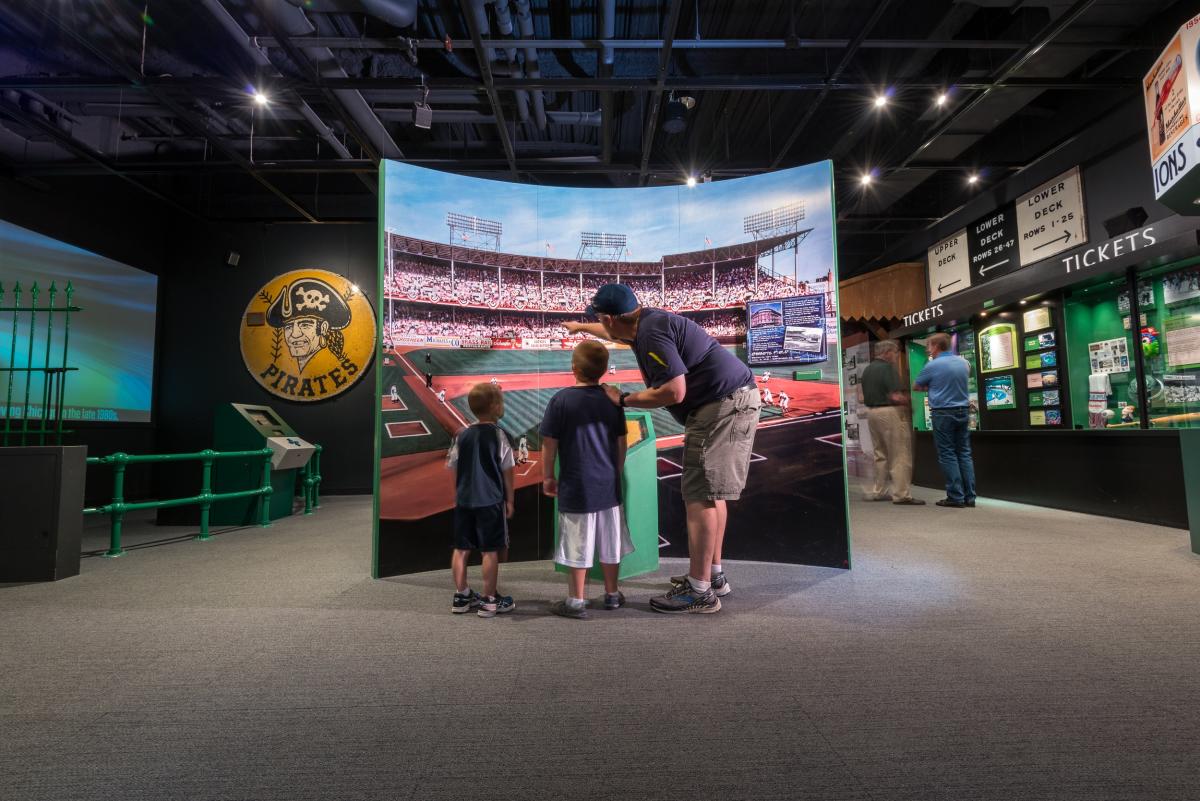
(613, 299)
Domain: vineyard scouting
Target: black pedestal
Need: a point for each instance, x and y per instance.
(41, 512)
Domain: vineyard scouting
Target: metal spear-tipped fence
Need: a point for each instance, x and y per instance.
(35, 365)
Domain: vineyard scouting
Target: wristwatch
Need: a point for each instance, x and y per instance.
(624, 395)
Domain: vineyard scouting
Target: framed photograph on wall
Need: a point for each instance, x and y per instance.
(1000, 392)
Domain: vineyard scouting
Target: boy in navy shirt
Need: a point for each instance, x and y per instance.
(482, 459)
(586, 431)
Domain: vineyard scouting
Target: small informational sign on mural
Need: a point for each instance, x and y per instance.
(787, 331)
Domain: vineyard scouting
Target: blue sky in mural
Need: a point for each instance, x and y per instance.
(112, 339)
(658, 220)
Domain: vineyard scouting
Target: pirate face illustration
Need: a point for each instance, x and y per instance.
(311, 315)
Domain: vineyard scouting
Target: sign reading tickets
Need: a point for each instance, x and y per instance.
(308, 335)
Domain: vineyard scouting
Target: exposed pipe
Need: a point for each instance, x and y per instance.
(525, 25)
(608, 28)
(297, 24)
(239, 36)
(399, 13)
(590, 119)
(505, 24)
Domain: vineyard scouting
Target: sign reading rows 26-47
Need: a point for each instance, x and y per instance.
(1040, 224)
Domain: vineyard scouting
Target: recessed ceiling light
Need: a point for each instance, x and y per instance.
(942, 99)
(260, 98)
(881, 101)
(865, 178)
(691, 181)
(973, 178)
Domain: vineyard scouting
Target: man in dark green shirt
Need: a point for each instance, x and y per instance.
(891, 439)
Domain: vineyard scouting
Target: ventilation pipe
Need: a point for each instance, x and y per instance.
(398, 13)
(296, 23)
(525, 26)
(259, 57)
(505, 24)
(608, 28)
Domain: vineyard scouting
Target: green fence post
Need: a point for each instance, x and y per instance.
(308, 485)
(317, 477)
(117, 506)
(205, 493)
(264, 500)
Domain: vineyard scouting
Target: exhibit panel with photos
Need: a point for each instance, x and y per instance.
(478, 278)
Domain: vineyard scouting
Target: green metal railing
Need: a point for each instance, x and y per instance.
(26, 422)
(118, 507)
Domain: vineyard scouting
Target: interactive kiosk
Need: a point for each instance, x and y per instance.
(246, 427)
(639, 492)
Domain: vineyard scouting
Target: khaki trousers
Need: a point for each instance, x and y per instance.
(892, 441)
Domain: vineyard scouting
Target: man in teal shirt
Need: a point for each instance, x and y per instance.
(944, 377)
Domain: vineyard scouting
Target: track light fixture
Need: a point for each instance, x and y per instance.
(676, 113)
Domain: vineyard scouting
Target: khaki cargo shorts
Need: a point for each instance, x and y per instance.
(717, 441)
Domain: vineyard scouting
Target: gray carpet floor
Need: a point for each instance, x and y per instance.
(1005, 652)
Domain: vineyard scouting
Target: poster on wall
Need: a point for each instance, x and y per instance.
(1182, 339)
(1109, 356)
(1145, 297)
(478, 281)
(786, 331)
(1000, 392)
(998, 348)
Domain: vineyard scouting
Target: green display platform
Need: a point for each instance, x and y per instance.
(1189, 447)
(639, 487)
(806, 375)
(242, 427)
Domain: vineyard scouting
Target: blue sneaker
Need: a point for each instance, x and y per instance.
(683, 598)
(490, 606)
(464, 603)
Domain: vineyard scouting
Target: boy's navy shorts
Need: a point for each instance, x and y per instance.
(480, 528)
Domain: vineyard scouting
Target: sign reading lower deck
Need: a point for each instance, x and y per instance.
(1050, 219)
(992, 243)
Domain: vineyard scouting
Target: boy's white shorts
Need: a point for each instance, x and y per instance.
(582, 534)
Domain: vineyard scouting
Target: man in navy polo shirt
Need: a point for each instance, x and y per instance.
(944, 377)
(705, 387)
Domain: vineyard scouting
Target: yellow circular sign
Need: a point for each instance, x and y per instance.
(308, 335)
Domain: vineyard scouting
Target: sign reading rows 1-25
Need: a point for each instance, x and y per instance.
(1040, 224)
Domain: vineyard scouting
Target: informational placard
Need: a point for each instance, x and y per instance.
(1037, 319)
(1035, 399)
(949, 266)
(998, 348)
(1182, 338)
(1037, 417)
(1109, 356)
(1050, 219)
(786, 331)
(1000, 392)
(992, 242)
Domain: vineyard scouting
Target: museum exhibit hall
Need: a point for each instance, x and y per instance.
(435, 399)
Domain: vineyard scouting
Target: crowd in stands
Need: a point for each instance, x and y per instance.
(690, 288)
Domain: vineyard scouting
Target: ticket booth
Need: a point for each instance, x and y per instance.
(639, 492)
(247, 427)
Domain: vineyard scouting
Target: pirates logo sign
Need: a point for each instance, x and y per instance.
(308, 335)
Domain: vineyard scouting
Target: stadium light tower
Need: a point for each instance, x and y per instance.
(595, 246)
(467, 230)
(781, 220)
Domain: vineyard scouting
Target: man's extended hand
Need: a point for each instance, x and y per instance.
(550, 487)
(614, 394)
(573, 328)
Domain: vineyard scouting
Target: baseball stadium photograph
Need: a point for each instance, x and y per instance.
(486, 282)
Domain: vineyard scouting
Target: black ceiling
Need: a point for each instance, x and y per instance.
(157, 94)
